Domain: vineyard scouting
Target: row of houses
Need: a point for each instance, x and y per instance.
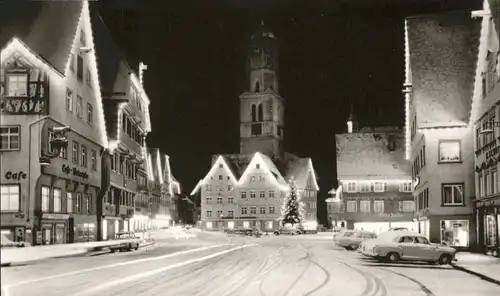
(447, 158)
(74, 117)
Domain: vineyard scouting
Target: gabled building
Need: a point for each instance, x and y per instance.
(247, 189)
(374, 190)
(441, 83)
(126, 109)
(54, 143)
(486, 129)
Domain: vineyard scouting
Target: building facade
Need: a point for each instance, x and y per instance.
(374, 192)
(439, 136)
(52, 128)
(247, 189)
(486, 134)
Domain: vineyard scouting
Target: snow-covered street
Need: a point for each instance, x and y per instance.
(213, 264)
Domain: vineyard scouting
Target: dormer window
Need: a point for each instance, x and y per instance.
(17, 85)
(257, 166)
(82, 37)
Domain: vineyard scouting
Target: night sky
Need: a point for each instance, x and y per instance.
(333, 54)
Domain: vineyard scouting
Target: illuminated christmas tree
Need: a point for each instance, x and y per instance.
(292, 210)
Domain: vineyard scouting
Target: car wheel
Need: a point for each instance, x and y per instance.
(393, 257)
(276, 233)
(348, 248)
(354, 247)
(445, 259)
(496, 253)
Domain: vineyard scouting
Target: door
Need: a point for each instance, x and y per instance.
(60, 234)
(424, 250)
(408, 247)
(47, 234)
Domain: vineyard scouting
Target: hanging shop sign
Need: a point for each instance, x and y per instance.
(15, 175)
(74, 171)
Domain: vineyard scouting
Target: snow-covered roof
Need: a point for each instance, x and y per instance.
(443, 51)
(302, 170)
(367, 155)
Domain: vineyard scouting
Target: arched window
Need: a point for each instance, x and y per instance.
(257, 86)
(254, 113)
(261, 113)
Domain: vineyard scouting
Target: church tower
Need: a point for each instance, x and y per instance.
(262, 110)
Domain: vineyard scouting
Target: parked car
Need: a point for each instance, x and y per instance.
(398, 229)
(384, 236)
(288, 231)
(351, 239)
(7, 243)
(130, 241)
(410, 247)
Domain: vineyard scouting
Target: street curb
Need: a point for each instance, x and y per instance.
(482, 276)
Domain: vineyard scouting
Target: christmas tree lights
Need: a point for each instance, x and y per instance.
(292, 210)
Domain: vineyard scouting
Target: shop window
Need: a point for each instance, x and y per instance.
(209, 225)
(449, 151)
(246, 224)
(452, 194)
(490, 225)
(57, 200)
(378, 206)
(78, 203)
(45, 200)
(364, 206)
(17, 85)
(9, 138)
(11, 198)
(351, 206)
(455, 233)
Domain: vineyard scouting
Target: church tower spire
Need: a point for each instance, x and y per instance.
(261, 107)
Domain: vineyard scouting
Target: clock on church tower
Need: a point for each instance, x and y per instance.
(261, 107)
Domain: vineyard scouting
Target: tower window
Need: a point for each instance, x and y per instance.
(254, 113)
(257, 86)
(260, 113)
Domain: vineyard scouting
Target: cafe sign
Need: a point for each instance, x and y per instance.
(390, 215)
(15, 175)
(74, 171)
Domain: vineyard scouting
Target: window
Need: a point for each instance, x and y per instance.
(230, 213)
(378, 187)
(252, 179)
(262, 210)
(90, 113)
(449, 151)
(364, 206)
(220, 177)
(364, 187)
(378, 206)
(69, 202)
(229, 187)
(209, 200)
(93, 156)
(17, 84)
(453, 194)
(243, 194)
(83, 157)
(9, 138)
(253, 210)
(257, 165)
(271, 210)
(405, 187)
(57, 200)
(79, 68)
(69, 100)
(49, 142)
(219, 213)
(262, 194)
(208, 187)
(262, 179)
(64, 152)
(219, 200)
(11, 198)
(243, 210)
(45, 198)
(82, 37)
(351, 187)
(78, 204)
(209, 214)
(352, 206)
(271, 194)
(252, 194)
(89, 77)
(79, 106)
(218, 188)
(72, 62)
(74, 153)
(230, 200)
(406, 206)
